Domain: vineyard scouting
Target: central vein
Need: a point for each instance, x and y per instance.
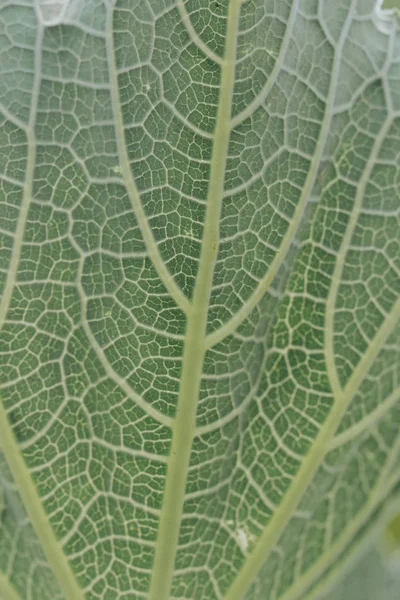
(193, 356)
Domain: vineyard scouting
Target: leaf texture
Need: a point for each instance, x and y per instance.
(200, 252)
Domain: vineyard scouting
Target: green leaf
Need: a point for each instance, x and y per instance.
(199, 238)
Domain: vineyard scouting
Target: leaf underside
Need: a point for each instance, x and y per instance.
(200, 256)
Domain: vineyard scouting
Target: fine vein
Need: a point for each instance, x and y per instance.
(193, 357)
(194, 36)
(129, 181)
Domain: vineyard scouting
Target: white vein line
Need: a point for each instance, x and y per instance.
(362, 368)
(194, 36)
(259, 99)
(120, 381)
(124, 538)
(84, 515)
(129, 181)
(246, 185)
(85, 512)
(13, 181)
(183, 120)
(238, 410)
(160, 458)
(283, 446)
(80, 83)
(311, 462)
(14, 120)
(22, 217)
(115, 254)
(40, 434)
(321, 22)
(207, 491)
(260, 491)
(202, 569)
(388, 62)
(138, 324)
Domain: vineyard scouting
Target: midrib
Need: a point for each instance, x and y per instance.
(193, 357)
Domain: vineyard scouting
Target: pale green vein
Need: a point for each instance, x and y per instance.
(336, 549)
(12, 119)
(340, 261)
(34, 507)
(230, 326)
(238, 410)
(234, 413)
(279, 61)
(196, 39)
(366, 423)
(184, 427)
(20, 230)
(7, 591)
(129, 181)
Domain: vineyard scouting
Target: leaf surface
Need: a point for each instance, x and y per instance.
(200, 295)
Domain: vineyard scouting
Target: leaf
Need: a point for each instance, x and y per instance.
(200, 295)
